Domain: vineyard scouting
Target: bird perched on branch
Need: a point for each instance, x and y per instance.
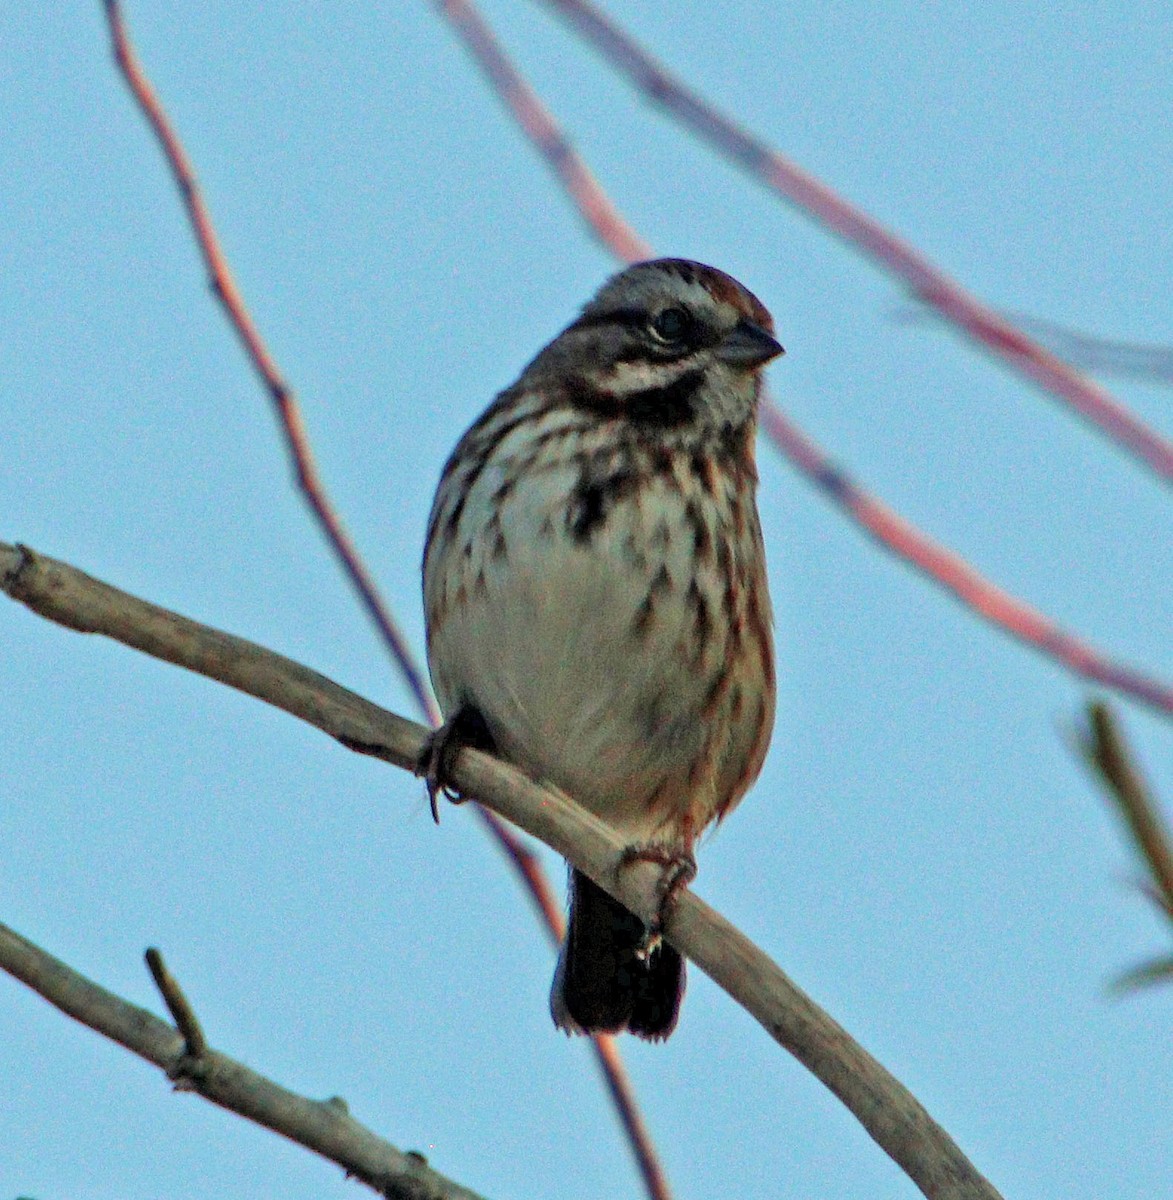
(596, 599)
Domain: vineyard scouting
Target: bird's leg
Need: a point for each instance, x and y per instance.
(679, 871)
(464, 728)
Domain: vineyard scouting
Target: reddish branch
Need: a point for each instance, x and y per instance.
(223, 284)
(953, 573)
(288, 413)
(887, 527)
(602, 217)
(897, 257)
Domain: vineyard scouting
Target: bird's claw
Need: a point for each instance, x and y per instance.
(466, 727)
(679, 871)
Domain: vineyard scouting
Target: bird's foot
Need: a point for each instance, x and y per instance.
(679, 871)
(464, 728)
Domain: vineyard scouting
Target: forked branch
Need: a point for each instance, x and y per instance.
(886, 1109)
(324, 1126)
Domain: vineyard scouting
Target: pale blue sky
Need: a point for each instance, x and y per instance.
(922, 853)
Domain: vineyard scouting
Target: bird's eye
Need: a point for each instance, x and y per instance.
(672, 325)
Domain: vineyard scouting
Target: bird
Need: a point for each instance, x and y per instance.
(597, 606)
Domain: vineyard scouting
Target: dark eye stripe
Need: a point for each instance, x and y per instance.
(650, 347)
(628, 318)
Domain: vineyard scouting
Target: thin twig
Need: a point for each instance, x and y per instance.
(323, 1126)
(889, 529)
(886, 1109)
(195, 1044)
(1107, 355)
(544, 133)
(288, 412)
(1157, 970)
(1107, 754)
(955, 575)
(603, 219)
(863, 233)
(528, 868)
(1087, 351)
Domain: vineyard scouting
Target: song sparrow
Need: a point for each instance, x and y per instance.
(596, 599)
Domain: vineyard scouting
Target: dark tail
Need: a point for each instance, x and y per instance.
(603, 983)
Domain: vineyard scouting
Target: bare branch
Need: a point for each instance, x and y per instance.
(1158, 970)
(1107, 754)
(896, 535)
(863, 233)
(288, 412)
(285, 404)
(324, 1126)
(1087, 351)
(950, 571)
(195, 1044)
(602, 218)
(1107, 355)
(885, 1108)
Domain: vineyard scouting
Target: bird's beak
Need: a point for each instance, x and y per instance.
(747, 346)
